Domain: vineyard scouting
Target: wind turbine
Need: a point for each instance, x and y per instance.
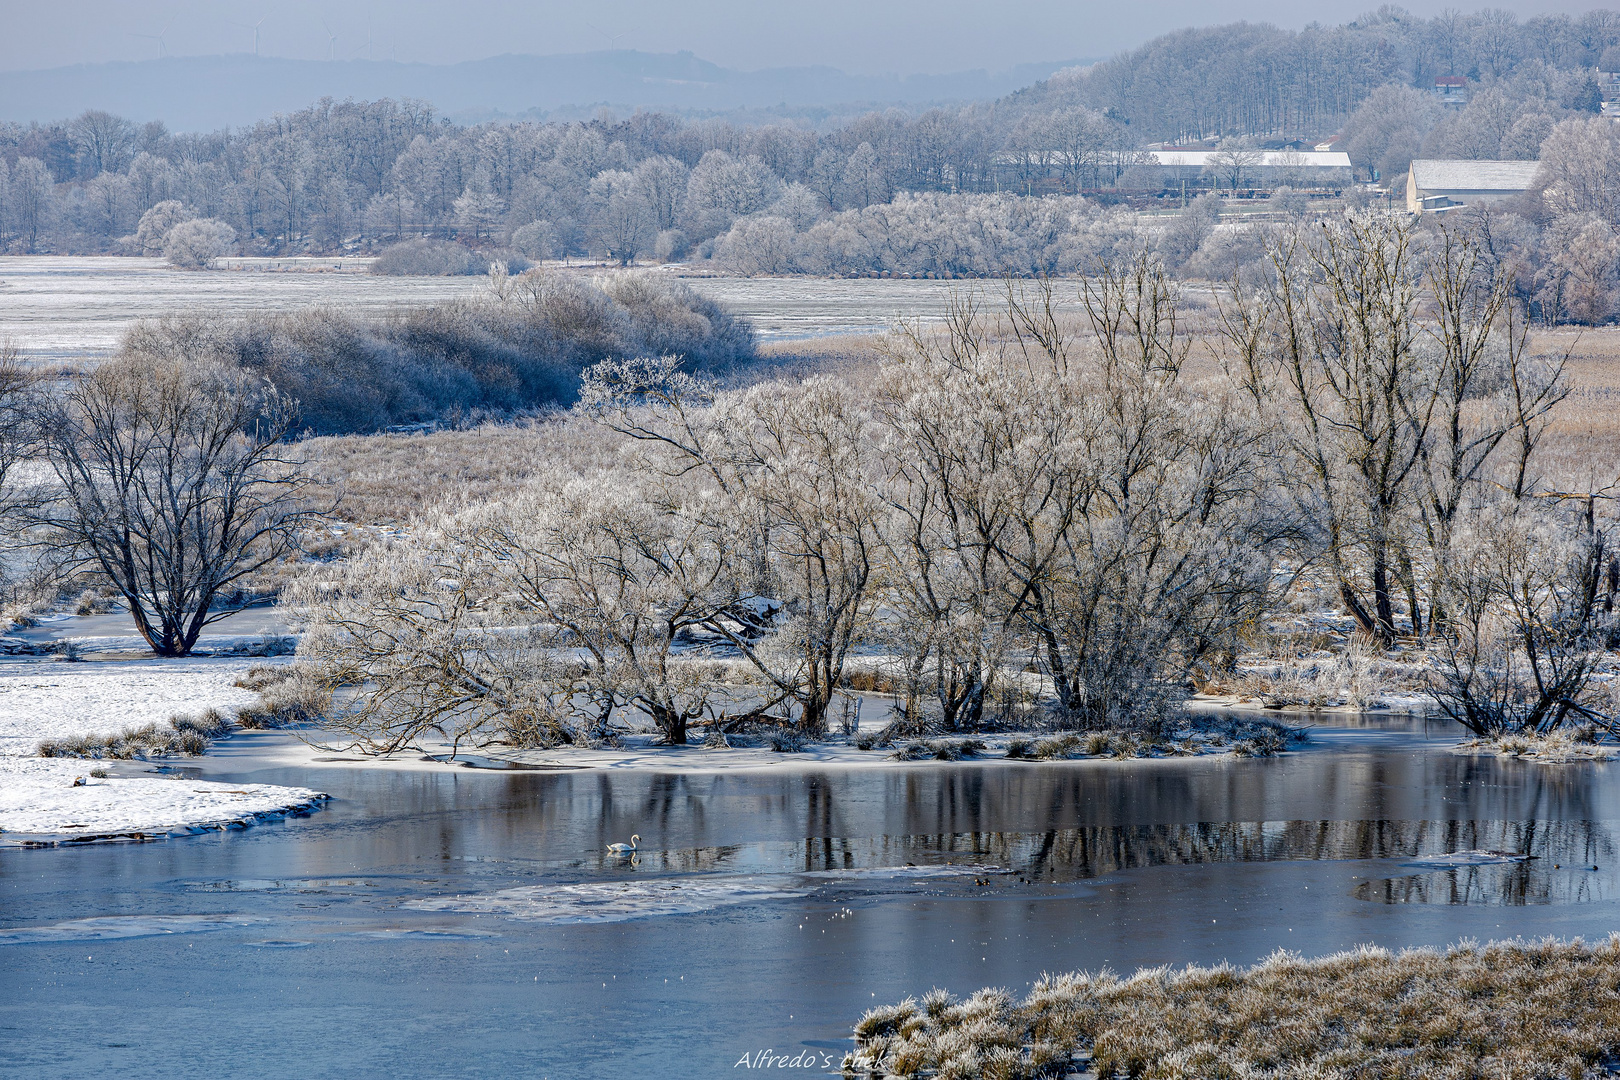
(157, 37)
(368, 35)
(612, 38)
(255, 29)
(331, 45)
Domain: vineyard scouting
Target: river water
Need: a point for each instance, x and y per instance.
(469, 923)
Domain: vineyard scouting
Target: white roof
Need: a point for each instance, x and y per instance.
(1306, 159)
(1429, 174)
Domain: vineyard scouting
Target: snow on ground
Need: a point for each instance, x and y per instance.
(56, 700)
(37, 795)
(45, 699)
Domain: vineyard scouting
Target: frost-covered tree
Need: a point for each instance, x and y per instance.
(1578, 277)
(32, 197)
(1580, 169)
(1386, 132)
(662, 182)
(722, 189)
(102, 142)
(195, 244)
(623, 223)
(791, 474)
(758, 245)
(152, 231)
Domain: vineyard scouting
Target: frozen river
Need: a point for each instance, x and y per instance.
(72, 308)
(467, 923)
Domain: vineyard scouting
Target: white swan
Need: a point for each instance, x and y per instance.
(625, 849)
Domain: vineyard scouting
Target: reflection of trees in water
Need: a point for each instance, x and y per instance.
(1088, 852)
(1497, 885)
(1076, 854)
(1072, 821)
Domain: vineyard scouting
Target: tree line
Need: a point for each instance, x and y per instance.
(341, 174)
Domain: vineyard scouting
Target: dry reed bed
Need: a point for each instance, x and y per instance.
(1514, 1010)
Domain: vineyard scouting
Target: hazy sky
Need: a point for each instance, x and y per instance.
(861, 36)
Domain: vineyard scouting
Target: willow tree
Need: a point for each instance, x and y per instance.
(174, 484)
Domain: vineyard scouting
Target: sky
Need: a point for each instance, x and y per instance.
(860, 36)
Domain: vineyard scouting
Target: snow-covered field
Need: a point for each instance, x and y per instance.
(72, 307)
(45, 699)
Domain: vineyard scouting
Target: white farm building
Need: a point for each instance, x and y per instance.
(1433, 186)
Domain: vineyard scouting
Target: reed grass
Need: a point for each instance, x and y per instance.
(1514, 1010)
(189, 735)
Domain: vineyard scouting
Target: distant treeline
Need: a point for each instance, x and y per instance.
(522, 347)
(362, 175)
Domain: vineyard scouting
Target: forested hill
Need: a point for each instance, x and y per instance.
(1254, 79)
(201, 93)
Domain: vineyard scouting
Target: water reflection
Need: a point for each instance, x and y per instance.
(1529, 850)
(1504, 885)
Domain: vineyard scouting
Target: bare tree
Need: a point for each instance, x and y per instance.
(1233, 160)
(414, 628)
(1530, 617)
(791, 477)
(174, 486)
(1329, 344)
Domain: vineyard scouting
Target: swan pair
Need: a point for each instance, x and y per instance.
(625, 849)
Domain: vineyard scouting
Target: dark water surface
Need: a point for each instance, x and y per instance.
(455, 923)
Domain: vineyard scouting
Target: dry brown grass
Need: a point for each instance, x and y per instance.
(389, 479)
(1513, 1010)
(1582, 446)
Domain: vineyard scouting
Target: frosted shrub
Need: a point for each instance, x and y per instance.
(427, 258)
(537, 240)
(466, 360)
(194, 245)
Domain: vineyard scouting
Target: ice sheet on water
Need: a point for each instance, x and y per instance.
(613, 901)
(1468, 858)
(398, 932)
(278, 944)
(113, 927)
(938, 870)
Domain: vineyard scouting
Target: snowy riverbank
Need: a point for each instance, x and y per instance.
(56, 799)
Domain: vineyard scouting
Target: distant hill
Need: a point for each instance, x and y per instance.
(200, 93)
